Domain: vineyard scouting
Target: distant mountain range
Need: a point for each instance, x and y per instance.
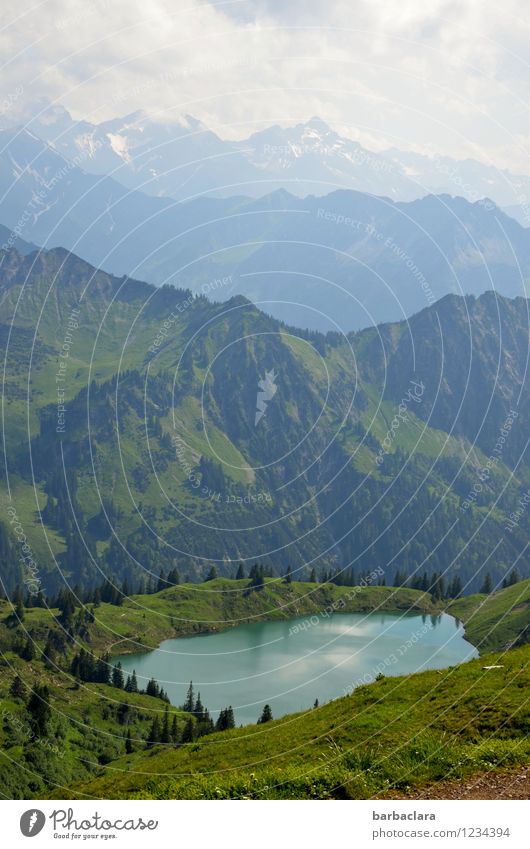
(184, 159)
(131, 440)
(342, 261)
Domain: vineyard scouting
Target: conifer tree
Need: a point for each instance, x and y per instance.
(188, 735)
(67, 608)
(117, 676)
(198, 708)
(28, 652)
(437, 586)
(173, 578)
(220, 723)
(131, 685)
(154, 733)
(487, 586)
(20, 613)
(174, 731)
(122, 713)
(17, 689)
(39, 708)
(152, 688)
(257, 581)
(165, 736)
(190, 699)
(455, 587)
(102, 671)
(266, 715)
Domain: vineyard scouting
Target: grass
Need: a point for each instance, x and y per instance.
(495, 621)
(25, 498)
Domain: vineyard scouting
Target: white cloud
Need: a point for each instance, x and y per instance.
(452, 74)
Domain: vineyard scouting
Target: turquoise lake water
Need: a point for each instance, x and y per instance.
(288, 664)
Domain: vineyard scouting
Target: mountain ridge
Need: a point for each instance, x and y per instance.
(304, 152)
(172, 440)
(348, 259)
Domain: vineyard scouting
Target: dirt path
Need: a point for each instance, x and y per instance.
(487, 785)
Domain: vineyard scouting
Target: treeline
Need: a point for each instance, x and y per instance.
(100, 670)
(442, 589)
(76, 606)
(68, 599)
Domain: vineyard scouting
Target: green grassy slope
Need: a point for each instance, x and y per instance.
(397, 733)
(87, 728)
(496, 621)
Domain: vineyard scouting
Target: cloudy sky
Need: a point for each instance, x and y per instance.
(453, 76)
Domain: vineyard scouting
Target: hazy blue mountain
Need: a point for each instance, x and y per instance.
(182, 158)
(179, 159)
(9, 239)
(56, 201)
(343, 261)
(520, 212)
(311, 158)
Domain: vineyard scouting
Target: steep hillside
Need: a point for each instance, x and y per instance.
(56, 729)
(147, 429)
(500, 620)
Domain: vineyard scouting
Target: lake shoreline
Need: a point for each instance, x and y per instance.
(190, 610)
